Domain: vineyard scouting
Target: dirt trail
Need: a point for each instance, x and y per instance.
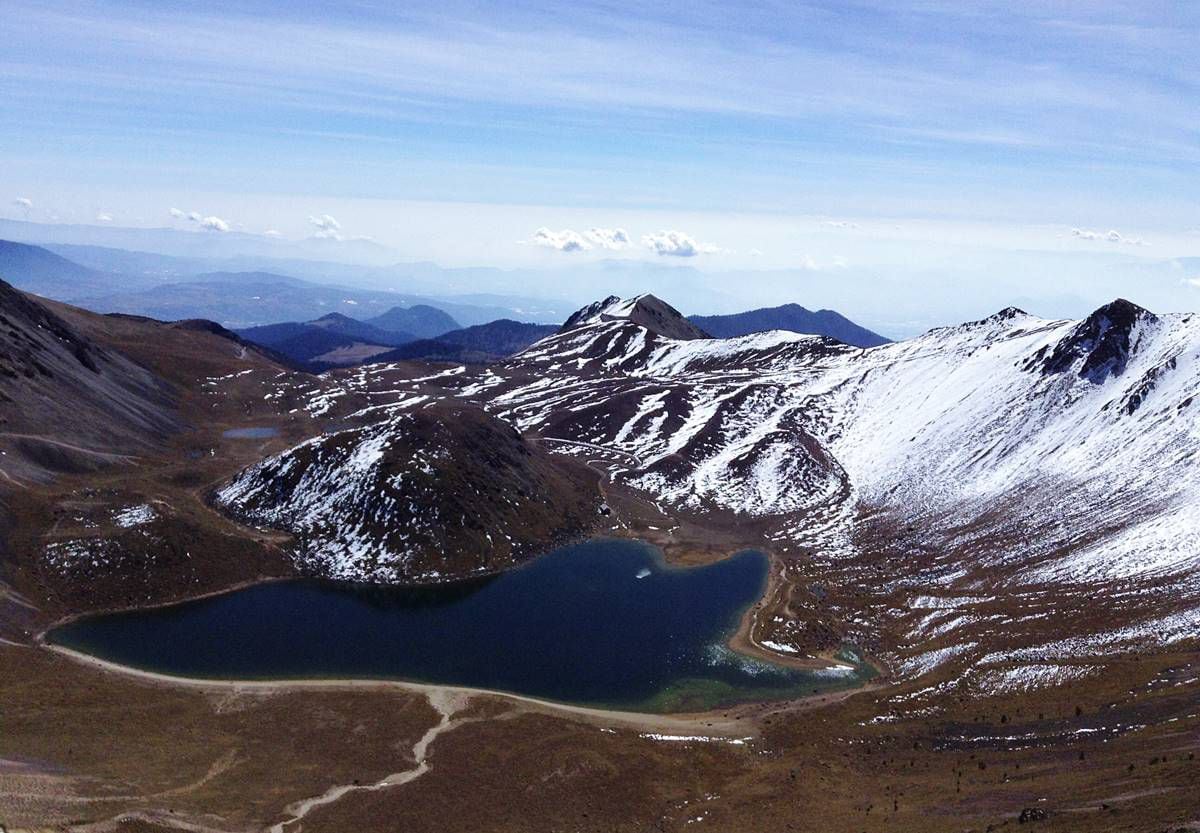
(106, 455)
(446, 703)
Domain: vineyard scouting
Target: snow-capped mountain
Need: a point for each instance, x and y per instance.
(645, 310)
(1092, 423)
(1086, 427)
(414, 494)
(979, 485)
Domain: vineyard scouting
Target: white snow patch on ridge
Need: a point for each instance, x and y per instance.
(132, 516)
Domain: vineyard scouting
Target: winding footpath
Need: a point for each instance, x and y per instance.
(446, 703)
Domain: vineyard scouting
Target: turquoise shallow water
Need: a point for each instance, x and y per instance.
(601, 623)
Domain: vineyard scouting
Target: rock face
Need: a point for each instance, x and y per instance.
(1100, 345)
(423, 495)
(590, 313)
(1032, 814)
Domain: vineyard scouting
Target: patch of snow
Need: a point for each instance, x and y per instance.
(132, 516)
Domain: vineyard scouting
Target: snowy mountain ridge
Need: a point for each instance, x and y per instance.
(1091, 423)
(1006, 470)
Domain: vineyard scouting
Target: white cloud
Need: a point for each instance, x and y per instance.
(272, 233)
(328, 228)
(194, 216)
(569, 240)
(676, 244)
(564, 241)
(609, 238)
(214, 224)
(23, 202)
(841, 224)
(1192, 282)
(1111, 236)
(103, 218)
(176, 213)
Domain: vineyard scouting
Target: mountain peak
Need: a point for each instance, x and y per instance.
(791, 317)
(1104, 340)
(589, 313)
(644, 310)
(1121, 310)
(1008, 313)
(422, 320)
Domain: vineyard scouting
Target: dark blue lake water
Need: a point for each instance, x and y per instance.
(577, 625)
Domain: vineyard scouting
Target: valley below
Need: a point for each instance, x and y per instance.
(1000, 517)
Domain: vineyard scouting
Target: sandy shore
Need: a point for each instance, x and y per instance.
(731, 723)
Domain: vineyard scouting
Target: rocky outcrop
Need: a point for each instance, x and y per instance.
(1100, 345)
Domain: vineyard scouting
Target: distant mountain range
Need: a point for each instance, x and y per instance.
(38, 270)
(336, 340)
(480, 344)
(305, 342)
(328, 325)
(169, 288)
(418, 321)
(791, 317)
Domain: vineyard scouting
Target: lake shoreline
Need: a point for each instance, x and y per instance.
(712, 723)
(739, 640)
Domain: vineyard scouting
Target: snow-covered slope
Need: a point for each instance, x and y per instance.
(1021, 465)
(417, 494)
(980, 484)
(1091, 423)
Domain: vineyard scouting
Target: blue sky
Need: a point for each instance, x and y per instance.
(788, 134)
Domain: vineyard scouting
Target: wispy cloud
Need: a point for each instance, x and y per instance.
(1111, 236)
(176, 213)
(939, 86)
(103, 217)
(850, 108)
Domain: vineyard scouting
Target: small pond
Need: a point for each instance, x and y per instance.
(253, 433)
